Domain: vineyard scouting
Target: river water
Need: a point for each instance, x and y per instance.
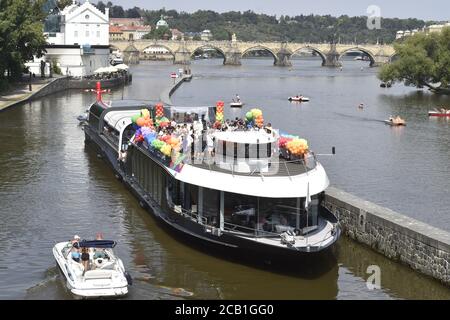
(52, 187)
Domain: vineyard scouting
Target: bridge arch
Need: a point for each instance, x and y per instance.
(208, 46)
(262, 48)
(313, 49)
(393, 57)
(363, 50)
(157, 45)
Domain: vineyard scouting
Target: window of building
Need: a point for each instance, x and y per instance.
(98, 34)
(87, 33)
(75, 34)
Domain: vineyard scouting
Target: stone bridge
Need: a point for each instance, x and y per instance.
(234, 50)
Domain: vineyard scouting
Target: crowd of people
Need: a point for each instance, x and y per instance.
(198, 136)
(83, 255)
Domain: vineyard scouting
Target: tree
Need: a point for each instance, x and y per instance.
(63, 3)
(159, 34)
(21, 36)
(133, 13)
(116, 12)
(422, 61)
(101, 6)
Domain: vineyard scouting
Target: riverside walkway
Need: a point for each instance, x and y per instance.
(21, 92)
(169, 91)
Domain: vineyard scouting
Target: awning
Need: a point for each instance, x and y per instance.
(97, 244)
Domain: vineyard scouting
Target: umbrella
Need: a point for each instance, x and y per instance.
(121, 66)
(106, 70)
(111, 69)
(100, 70)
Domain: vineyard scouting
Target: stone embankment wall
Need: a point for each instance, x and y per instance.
(168, 92)
(59, 84)
(424, 248)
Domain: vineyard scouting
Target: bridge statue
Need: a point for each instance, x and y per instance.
(234, 50)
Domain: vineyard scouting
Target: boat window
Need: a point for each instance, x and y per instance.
(211, 206)
(240, 212)
(279, 215)
(224, 150)
(174, 192)
(191, 198)
(313, 212)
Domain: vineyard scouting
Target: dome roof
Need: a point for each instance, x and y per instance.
(162, 23)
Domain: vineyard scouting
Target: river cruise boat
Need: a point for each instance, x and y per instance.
(105, 275)
(242, 190)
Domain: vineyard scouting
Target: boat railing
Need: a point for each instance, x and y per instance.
(258, 167)
(328, 235)
(246, 231)
(187, 213)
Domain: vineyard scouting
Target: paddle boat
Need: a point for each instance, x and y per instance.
(299, 99)
(395, 121)
(105, 275)
(439, 113)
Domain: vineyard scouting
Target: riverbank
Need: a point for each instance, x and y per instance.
(423, 248)
(49, 86)
(21, 92)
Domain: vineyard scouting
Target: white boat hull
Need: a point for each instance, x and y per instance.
(95, 283)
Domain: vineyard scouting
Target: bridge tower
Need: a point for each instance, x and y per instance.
(182, 55)
(233, 55)
(283, 57)
(332, 57)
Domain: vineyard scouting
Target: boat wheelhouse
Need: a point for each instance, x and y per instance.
(240, 190)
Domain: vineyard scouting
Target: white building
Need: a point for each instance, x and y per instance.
(436, 27)
(81, 43)
(399, 34)
(206, 35)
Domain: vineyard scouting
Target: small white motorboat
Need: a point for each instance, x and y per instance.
(238, 104)
(397, 121)
(299, 99)
(106, 275)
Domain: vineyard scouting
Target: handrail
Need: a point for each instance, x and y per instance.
(188, 213)
(274, 167)
(254, 232)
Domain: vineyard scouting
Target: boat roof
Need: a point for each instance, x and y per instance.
(119, 119)
(293, 186)
(251, 137)
(97, 244)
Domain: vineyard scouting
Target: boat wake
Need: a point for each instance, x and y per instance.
(358, 117)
